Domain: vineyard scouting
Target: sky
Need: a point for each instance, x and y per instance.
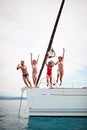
(26, 27)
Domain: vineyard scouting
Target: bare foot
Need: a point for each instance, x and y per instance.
(60, 84)
(29, 86)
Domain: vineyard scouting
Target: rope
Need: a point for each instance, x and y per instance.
(20, 104)
(22, 91)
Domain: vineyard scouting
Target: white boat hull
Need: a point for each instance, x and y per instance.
(57, 102)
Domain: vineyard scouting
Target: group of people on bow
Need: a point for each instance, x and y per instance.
(50, 64)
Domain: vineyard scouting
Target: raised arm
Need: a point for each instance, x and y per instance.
(56, 63)
(18, 66)
(52, 63)
(31, 57)
(46, 60)
(38, 58)
(63, 53)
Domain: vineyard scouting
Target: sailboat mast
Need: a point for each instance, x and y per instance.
(51, 38)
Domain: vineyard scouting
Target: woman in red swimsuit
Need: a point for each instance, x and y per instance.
(49, 72)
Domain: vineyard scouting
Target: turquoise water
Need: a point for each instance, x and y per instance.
(58, 123)
(9, 119)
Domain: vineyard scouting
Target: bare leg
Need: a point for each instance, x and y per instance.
(47, 80)
(34, 77)
(51, 81)
(35, 81)
(29, 82)
(61, 76)
(57, 77)
(24, 79)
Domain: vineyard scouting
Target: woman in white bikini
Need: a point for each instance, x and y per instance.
(34, 69)
(60, 70)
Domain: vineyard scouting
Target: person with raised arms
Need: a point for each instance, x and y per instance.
(60, 70)
(34, 69)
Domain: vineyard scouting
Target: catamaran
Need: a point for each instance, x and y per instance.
(59, 101)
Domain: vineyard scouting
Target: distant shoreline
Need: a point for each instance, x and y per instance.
(13, 98)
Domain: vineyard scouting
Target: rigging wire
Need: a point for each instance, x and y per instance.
(70, 61)
(83, 76)
(52, 52)
(75, 63)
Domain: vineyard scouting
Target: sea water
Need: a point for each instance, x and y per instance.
(9, 119)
